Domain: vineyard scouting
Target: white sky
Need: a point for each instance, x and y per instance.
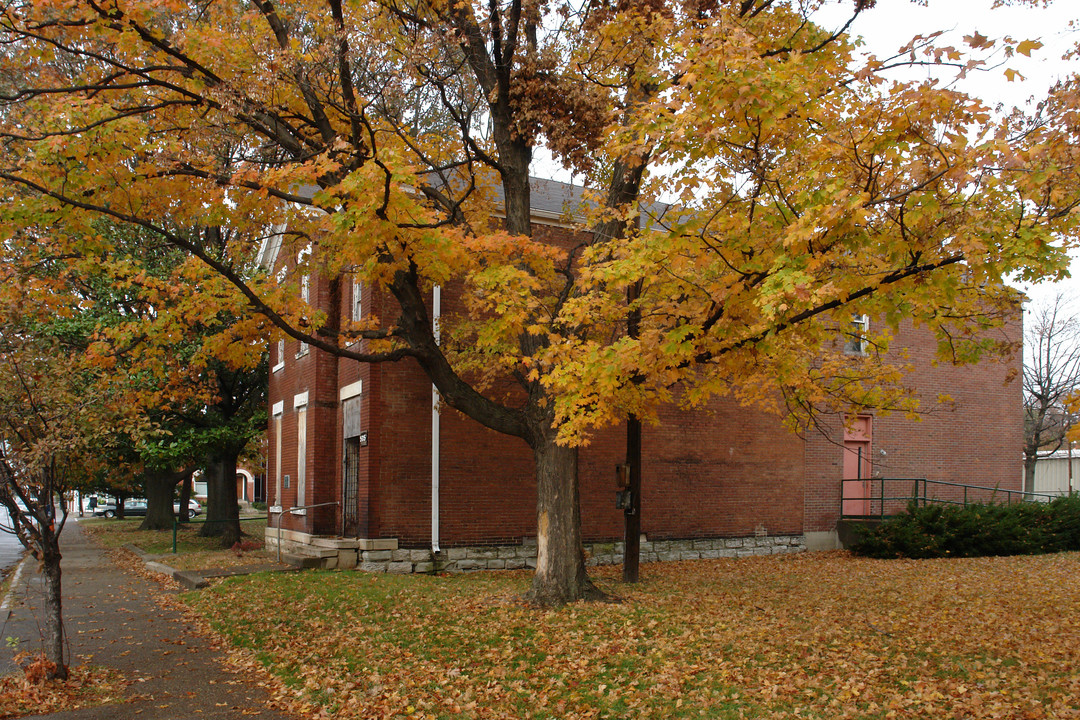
(892, 23)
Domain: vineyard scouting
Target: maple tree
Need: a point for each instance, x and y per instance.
(1051, 378)
(807, 188)
(199, 391)
(54, 421)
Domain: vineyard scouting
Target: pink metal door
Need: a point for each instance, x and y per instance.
(858, 435)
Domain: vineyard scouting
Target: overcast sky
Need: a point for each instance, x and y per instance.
(892, 23)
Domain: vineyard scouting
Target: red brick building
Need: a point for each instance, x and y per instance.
(362, 469)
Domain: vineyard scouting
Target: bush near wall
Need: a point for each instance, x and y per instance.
(935, 531)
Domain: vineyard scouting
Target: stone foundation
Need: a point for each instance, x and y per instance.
(383, 555)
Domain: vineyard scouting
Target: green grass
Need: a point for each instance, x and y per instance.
(819, 636)
(192, 551)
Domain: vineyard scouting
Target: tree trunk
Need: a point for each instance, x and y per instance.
(159, 501)
(632, 514)
(222, 509)
(1029, 472)
(185, 498)
(54, 623)
(560, 562)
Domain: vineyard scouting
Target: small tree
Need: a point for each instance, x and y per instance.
(51, 427)
(1051, 378)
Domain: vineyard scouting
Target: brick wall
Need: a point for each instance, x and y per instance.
(725, 471)
(976, 440)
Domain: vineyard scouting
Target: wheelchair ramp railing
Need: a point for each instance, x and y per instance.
(884, 497)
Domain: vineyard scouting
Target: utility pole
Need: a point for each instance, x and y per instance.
(632, 512)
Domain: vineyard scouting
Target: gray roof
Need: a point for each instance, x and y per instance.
(551, 200)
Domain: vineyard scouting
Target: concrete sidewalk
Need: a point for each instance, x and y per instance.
(112, 621)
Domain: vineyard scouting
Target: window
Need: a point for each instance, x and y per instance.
(301, 455)
(280, 357)
(855, 335)
(300, 403)
(357, 300)
(305, 294)
(278, 409)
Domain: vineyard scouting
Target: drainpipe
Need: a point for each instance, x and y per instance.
(436, 311)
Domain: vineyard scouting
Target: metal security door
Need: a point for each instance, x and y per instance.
(350, 495)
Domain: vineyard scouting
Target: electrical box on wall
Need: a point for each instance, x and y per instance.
(285, 481)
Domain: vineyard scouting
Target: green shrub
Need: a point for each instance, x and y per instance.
(260, 506)
(932, 531)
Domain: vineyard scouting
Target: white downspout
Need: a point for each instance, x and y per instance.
(436, 312)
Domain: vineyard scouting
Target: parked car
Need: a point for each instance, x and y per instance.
(136, 507)
(194, 508)
(133, 507)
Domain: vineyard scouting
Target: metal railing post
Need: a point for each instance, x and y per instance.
(297, 507)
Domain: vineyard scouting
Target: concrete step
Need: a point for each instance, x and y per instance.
(302, 561)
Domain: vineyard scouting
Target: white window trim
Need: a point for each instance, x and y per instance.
(357, 311)
(351, 391)
(280, 356)
(279, 408)
(300, 403)
(864, 343)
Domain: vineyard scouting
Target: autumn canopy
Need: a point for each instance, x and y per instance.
(752, 181)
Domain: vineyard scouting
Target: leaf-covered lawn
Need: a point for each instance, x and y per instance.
(26, 693)
(821, 635)
(192, 552)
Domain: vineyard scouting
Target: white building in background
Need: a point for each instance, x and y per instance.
(247, 490)
(1058, 473)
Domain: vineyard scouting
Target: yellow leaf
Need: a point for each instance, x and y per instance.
(1027, 46)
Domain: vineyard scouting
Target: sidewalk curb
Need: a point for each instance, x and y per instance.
(13, 587)
(188, 578)
(191, 579)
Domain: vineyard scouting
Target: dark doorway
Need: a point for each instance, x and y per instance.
(350, 500)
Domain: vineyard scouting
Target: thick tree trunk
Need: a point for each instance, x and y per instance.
(222, 509)
(560, 562)
(159, 501)
(54, 623)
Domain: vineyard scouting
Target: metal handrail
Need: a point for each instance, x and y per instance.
(296, 507)
(924, 497)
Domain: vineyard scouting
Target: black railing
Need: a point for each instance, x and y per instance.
(885, 497)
